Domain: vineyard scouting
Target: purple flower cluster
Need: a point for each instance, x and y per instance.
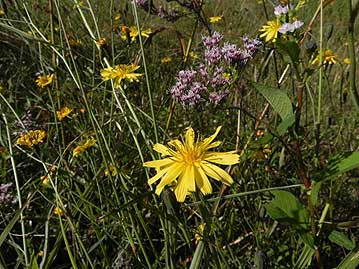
(187, 91)
(6, 197)
(141, 3)
(229, 52)
(211, 81)
(282, 10)
(290, 27)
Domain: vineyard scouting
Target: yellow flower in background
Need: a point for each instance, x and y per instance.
(133, 33)
(215, 19)
(101, 42)
(75, 43)
(189, 163)
(193, 55)
(43, 81)
(284, 2)
(83, 146)
(31, 138)
(347, 61)
(270, 31)
(2, 12)
(63, 112)
(328, 57)
(58, 211)
(166, 59)
(2, 88)
(45, 180)
(198, 236)
(117, 17)
(120, 72)
(111, 170)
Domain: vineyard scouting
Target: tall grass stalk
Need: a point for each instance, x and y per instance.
(149, 91)
(19, 196)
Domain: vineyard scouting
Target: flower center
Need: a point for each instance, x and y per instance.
(191, 156)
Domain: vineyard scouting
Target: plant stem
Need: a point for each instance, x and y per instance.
(353, 12)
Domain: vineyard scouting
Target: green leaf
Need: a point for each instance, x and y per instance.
(281, 104)
(351, 261)
(11, 224)
(305, 258)
(342, 164)
(289, 50)
(314, 192)
(307, 238)
(285, 207)
(341, 239)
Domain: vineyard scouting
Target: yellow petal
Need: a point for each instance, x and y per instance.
(189, 177)
(225, 158)
(156, 177)
(176, 144)
(189, 138)
(204, 145)
(217, 173)
(169, 177)
(181, 189)
(202, 181)
(158, 163)
(165, 151)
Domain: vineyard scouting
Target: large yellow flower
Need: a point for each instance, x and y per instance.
(191, 163)
(270, 30)
(120, 72)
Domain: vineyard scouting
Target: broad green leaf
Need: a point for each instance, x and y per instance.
(280, 103)
(342, 240)
(285, 207)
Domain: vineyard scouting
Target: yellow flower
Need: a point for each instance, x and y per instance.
(58, 211)
(270, 31)
(166, 59)
(133, 33)
(43, 81)
(2, 12)
(120, 72)
(117, 17)
(215, 19)
(198, 236)
(63, 112)
(111, 170)
(45, 180)
(75, 43)
(328, 57)
(101, 42)
(83, 146)
(193, 55)
(31, 138)
(347, 61)
(191, 162)
(2, 88)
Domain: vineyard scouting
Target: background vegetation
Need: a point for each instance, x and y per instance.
(80, 197)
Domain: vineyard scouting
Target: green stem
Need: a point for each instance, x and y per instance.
(353, 12)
